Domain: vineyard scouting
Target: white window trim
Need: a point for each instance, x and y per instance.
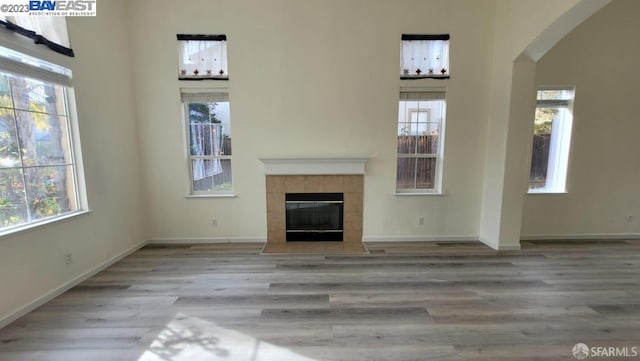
(41, 223)
(201, 93)
(212, 195)
(62, 76)
(561, 134)
(437, 189)
(428, 194)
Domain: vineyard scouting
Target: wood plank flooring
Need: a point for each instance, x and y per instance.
(403, 301)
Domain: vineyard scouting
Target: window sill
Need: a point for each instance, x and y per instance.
(195, 77)
(406, 194)
(431, 76)
(33, 225)
(212, 195)
(544, 191)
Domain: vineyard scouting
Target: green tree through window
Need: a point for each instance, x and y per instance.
(37, 177)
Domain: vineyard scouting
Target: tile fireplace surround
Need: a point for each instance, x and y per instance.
(314, 176)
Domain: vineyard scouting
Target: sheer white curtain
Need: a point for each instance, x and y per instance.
(200, 58)
(204, 135)
(197, 140)
(424, 56)
(48, 30)
(205, 140)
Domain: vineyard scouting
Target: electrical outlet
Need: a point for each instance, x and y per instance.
(420, 220)
(214, 222)
(67, 258)
(630, 219)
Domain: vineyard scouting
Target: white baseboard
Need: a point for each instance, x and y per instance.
(514, 247)
(487, 243)
(419, 238)
(579, 236)
(500, 247)
(23, 310)
(204, 240)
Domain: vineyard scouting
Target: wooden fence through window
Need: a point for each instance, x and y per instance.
(539, 160)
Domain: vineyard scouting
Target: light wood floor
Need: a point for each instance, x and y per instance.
(403, 301)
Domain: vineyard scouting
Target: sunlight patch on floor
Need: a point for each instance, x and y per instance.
(190, 339)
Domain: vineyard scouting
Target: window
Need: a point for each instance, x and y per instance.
(202, 57)
(424, 56)
(208, 140)
(48, 30)
(551, 140)
(421, 120)
(38, 175)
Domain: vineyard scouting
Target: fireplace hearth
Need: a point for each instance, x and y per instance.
(314, 217)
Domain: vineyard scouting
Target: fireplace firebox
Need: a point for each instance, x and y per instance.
(313, 217)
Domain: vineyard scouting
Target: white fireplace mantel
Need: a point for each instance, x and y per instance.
(313, 166)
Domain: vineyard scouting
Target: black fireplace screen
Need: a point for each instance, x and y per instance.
(314, 216)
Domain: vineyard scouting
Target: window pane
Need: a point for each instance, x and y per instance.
(424, 58)
(50, 191)
(543, 125)
(551, 140)
(544, 120)
(558, 94)
(420, 125)
(211, 174)
(37, 174)
(406, 144)
(209, 135)
(222, 180)
(225, 148)
(203, 59)
(13, 205)
(202, 139)
(209, 129)
(204, 168)
(199, 113)
(38, 96)
(404, 128)
(539, 160)
(415, 129)
(425, 173)
(419, 116)
(43, 138)
(405, 178)
(9, 148)
(199, 169)
(427, 144)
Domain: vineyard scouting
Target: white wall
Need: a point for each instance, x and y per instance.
(31, 262)
(600, 57)
(524, 31)
(311, 79)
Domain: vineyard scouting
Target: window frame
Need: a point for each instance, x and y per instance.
(426, 94)
(427, 41)
(201, 93)
(560, 143)
(26, 66)
(203, 74)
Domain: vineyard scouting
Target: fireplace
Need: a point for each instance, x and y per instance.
(313, 217)
(314, 205)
